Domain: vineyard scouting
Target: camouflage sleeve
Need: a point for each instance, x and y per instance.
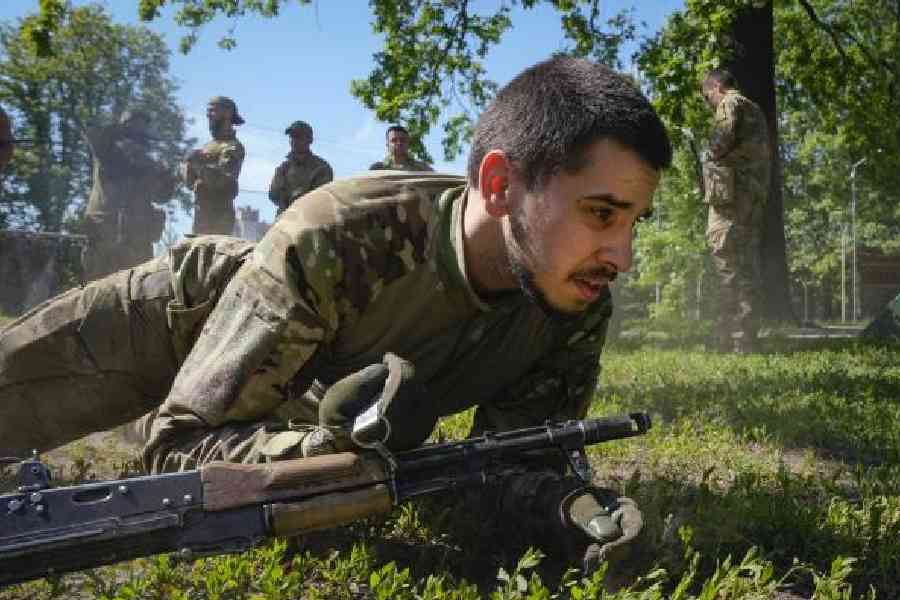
(222, 172)
(277, 188)
(724, 133)
(271, 318)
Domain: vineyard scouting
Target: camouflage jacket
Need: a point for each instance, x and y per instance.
(124, 174)
(218, 166)
(361, 267)
(736, 169)
(296, 176)
(389, 164)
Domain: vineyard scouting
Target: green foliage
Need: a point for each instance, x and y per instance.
(430, 68)
(761, 474)
(96, 70)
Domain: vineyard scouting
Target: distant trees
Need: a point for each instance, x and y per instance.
(96, 70)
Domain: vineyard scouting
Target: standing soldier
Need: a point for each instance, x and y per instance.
(736, 181)
(398, 158)
(212, 171)
(120, 220)
(301, 172)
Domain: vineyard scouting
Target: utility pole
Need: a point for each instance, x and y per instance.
(844, 273)
(854, 283)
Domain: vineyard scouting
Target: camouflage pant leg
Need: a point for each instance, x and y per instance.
(733, 255)
(211, 215)
(88, 360)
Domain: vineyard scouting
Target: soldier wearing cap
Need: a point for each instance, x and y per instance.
(121, 221)
(301, 172)
(398, 158)
(212, 171)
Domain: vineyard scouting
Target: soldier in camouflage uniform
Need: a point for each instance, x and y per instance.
(494, 286)
(121, 221)
(736, 181)
(212, 171)
(301, 172)
(398, 158)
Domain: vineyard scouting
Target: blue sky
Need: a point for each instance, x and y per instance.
(299, 66)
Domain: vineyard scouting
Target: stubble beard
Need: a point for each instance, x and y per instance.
(217, 128)
(518, 251)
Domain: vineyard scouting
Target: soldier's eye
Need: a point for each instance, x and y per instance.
(602, 213)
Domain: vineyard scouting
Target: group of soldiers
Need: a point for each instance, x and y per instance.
(492, 287)
(123, 218)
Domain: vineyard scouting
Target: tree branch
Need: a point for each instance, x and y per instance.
(833, 31)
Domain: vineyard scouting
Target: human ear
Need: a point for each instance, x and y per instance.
(493, 183)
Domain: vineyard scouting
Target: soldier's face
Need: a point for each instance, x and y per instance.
(567, 241)
(398, 144)
(218, 115)
(300, 142)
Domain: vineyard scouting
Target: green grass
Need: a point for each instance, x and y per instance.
(773, 472)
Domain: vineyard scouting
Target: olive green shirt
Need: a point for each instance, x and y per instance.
(410, 164)
(361, 267)
(296, 176)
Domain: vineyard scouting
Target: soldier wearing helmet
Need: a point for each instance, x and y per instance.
(212, 171)
(301, 172)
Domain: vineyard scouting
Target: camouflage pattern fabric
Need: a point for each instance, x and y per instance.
(736, 181)
(296, 176)
(886, 326)
(389, 164)
(220, 336)
(362, 267)
(212, 172)
(121, 221)
(99, 356)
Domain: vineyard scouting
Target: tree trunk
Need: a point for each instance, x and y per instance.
(753, 65)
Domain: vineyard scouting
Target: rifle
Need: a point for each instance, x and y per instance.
(227, 507)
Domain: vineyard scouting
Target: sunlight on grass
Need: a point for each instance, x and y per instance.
(761, 474)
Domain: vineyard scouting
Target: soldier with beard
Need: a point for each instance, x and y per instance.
(493, 287)
(212, 171)
(301, 172)
(121, 221)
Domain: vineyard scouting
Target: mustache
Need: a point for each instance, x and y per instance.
(606, 272)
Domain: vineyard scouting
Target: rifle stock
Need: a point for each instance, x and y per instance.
(224, 507)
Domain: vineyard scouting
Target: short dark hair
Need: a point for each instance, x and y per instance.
(395, 128)
(722, 77)
(547, 117)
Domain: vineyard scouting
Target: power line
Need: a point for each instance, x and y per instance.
(323, 140)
